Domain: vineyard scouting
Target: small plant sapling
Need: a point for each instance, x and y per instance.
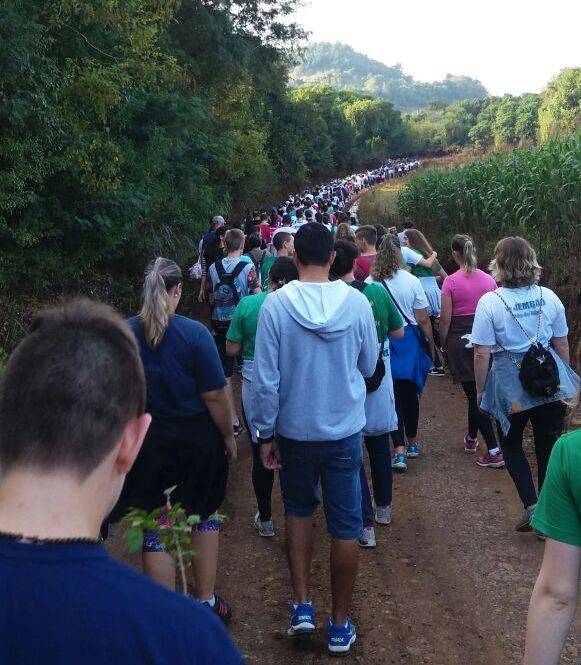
(174, 530)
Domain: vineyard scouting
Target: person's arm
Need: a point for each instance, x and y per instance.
(440, 273)
(202, 293)
(445, 317)
(233, 349)
(397, 333)
(367, 360)
(481, 365)
(265, 386)
(429, 262)
(561, 346)
(423, 321)
(218, 404)
(553, 603)
(235, 334)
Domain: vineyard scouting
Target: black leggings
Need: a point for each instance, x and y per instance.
(437, 341)
(407, 406)
(262, 480)
(547, 422)
(476, 419)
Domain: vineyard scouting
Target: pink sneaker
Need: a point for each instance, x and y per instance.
(470, 445)
(491, 461)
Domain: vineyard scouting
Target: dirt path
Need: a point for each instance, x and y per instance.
(449, 582)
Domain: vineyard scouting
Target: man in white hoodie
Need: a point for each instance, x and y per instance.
(315, 342)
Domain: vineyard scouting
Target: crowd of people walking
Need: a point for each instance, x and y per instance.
(334, 328)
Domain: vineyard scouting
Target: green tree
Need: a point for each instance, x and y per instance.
(560, 110)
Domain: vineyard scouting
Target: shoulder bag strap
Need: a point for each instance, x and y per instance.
(396, 304)
(509, 310)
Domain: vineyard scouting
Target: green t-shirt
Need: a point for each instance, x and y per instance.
(244, 323)
(266, 266)
(420, 271)
(386, 315)
(558, 513)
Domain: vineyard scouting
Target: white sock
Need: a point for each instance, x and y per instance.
(494, 452)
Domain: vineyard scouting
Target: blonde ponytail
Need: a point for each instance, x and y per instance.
(464, 245)
(160, 277)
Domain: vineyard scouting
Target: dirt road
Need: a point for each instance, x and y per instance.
(449, 582)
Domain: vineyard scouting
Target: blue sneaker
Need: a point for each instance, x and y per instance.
(302, 619)
(399, 462)
(341, 638)
(413, 450)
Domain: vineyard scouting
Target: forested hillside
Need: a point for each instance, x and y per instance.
(126, 124)
(500, 122)
(339, 66)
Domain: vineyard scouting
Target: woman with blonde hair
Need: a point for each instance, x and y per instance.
(410, 356)
(523, 326)
(461, 292)
(345, 232)
(428, 277)
(191, 430)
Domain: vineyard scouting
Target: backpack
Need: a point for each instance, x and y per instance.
(225, 292)
(372, 382)
(538, 371)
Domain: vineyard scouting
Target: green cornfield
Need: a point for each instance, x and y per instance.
(532, 193)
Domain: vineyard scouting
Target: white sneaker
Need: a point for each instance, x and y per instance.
(265, 528)
(383, 514)
(368, 537)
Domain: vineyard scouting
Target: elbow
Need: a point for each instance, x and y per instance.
(481, 353)
(232, 350)
(397, 334)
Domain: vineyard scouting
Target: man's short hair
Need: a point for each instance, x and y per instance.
(234, 240)
(368, 233)
(218, 220)
(279, 239)
(69, 390)
(313, 245)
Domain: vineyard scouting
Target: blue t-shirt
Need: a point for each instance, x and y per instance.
(68, 604)
(181, 367)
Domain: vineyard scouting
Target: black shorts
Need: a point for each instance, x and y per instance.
(186, 452)
(227, 361)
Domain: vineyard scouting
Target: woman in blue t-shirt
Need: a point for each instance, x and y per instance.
(191, 431)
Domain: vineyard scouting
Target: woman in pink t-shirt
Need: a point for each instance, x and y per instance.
(461, 292)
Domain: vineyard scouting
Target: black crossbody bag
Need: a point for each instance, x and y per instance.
(538, 371)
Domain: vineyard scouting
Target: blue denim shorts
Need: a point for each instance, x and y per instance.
(337, 465)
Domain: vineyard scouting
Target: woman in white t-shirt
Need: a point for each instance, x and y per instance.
(506, 324)
(409, 360)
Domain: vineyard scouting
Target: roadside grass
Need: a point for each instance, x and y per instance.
(379, 206)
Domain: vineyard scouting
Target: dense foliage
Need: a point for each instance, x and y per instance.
(126, 124)
(535, 193)
(339, 66)
(499, 122)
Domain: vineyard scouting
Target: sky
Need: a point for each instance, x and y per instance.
(511, 46)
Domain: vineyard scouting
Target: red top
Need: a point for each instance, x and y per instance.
(363, 267)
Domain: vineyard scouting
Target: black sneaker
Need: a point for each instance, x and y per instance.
(437, 371)
(221, 609)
